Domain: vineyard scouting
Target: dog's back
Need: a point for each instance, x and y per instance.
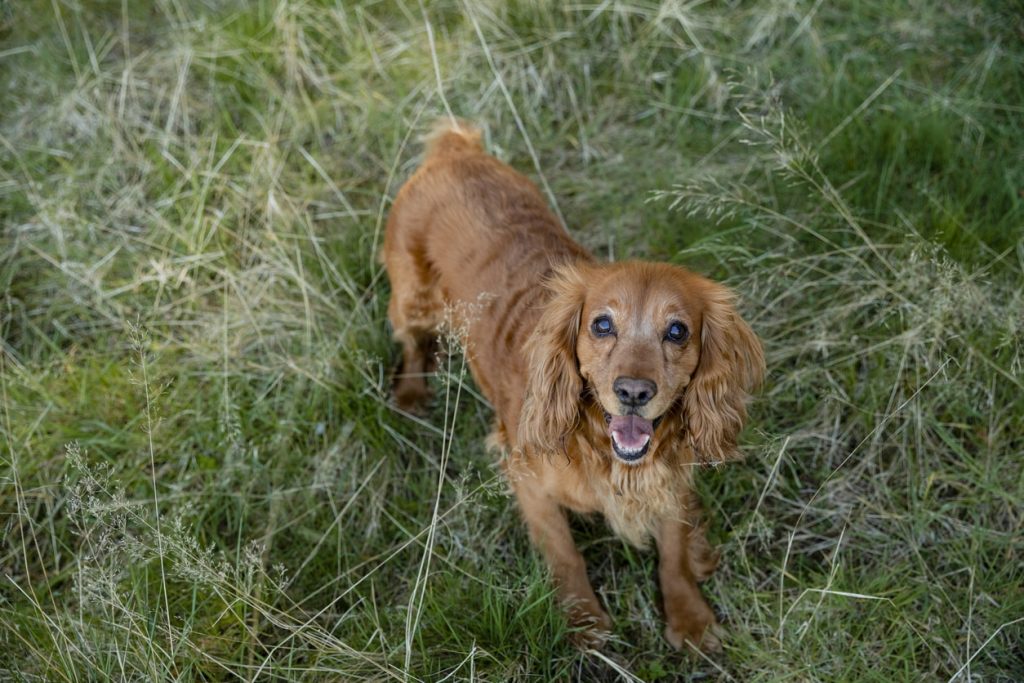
(469, 235)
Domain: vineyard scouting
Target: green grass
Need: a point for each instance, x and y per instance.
(201, 477)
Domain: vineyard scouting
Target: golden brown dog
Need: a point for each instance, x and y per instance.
(611, 381)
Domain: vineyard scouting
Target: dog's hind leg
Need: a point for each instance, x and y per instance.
(415, 311)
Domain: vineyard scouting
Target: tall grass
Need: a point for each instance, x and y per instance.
(201, 476)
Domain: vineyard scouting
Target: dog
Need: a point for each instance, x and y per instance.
(610, 382)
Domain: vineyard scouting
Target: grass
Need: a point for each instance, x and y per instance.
(201, 477)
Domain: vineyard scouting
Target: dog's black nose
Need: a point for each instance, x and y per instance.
(634, 392)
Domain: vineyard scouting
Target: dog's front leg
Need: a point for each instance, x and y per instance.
(549, 530)
(688, 616)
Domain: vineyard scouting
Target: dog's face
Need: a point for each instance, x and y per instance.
(647, 342)
(637, 348)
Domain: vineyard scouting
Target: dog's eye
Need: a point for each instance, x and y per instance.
(602, 326)
(677, 332)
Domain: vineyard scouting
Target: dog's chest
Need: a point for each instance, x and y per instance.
(636, 503)
(635, 500)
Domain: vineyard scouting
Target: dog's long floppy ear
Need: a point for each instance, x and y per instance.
(553, 387)
(731, 366)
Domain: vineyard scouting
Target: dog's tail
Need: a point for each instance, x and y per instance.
(452, 136)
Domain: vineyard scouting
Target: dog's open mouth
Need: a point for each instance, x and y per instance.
(631, 435)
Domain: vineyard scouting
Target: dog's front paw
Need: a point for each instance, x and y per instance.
(698, 628)
(591, 627)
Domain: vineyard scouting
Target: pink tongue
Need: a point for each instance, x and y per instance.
(630, 431)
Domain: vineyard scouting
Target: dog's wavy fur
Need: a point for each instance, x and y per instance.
(471, 243)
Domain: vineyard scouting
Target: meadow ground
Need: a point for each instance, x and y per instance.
(200, 474)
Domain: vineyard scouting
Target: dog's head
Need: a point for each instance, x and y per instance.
(655, 347)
